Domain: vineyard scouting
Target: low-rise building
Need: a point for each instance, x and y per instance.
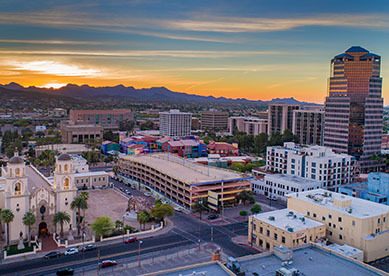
(305, 260)
(80, 164)
(223, 148)
(359, 223)
(344, 250)
(189, 148)
(277, 186)
(182, 181)
(283, 227)
(91, 179)
(376, 188)
(109, 146)
(62, 148)
(312, 162)
(79, 134)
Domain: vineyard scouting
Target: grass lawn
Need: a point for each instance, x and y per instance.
(13, 249)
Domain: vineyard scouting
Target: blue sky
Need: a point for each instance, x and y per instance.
(252, 49)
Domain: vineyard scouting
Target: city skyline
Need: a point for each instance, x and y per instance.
(251, 50)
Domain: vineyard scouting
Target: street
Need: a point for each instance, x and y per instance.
(187, 231)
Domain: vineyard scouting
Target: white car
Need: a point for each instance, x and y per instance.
(272, 197)
(148, 194)
(71, 251)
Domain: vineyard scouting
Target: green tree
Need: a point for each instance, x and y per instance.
(148, 125)
(29, 220)
(256, 209)
(243, 213)
(7, 217)
(61, 218)
(260, 143)
(127, 125)
(244, 196)
(162, 211)
(199, 207)
(102, 226)
(143, 217)
(79, 203)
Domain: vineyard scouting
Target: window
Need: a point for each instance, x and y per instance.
(283, 239)
(329, 216)
(339, 219)
(330, 233)
(268, 233)
(261, 230)
(275, 236)
(340, 237)
(323, 218)
(66, 183)
(314, 215)
(18, 188)
(353, 223)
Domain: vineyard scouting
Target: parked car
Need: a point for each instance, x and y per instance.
(89, 247)
(71, 251)
(107, 263)
(52, 254)
(272, 197)
(128, 192)
(213, 216)
(65, 271)
(130, 240)
(178, 209)
(148, 194)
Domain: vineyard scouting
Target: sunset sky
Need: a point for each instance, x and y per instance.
(252, 49)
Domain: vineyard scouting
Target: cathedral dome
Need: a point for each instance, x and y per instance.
(16, 160)
(64, 157)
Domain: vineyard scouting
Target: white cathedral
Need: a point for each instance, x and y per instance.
(23, 188)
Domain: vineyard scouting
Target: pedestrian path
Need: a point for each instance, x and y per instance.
(48, 244)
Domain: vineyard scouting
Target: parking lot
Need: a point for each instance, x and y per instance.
(108, 202)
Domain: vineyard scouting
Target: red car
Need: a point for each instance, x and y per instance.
(130, 240)
(107, 263)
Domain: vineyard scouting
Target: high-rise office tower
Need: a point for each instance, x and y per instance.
(354, 106)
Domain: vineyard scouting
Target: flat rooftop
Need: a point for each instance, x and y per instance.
(357, 207)
(185, 170)
(309, 261)
(287, 220)
(300, 181)
(204, 269)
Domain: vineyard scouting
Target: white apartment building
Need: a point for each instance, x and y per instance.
(312, 162)
(279, 185)
(249, 125)
(174, 123)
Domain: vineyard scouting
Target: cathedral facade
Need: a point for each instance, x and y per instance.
(23, 188)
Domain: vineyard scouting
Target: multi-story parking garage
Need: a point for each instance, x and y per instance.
(183, 181)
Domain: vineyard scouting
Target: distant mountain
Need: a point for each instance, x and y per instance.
(122, 93)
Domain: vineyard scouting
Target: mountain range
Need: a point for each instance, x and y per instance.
(121, 93)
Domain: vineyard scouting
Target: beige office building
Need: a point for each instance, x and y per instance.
(72, 133)
(283, 228)
(214, 120)
(359, 223)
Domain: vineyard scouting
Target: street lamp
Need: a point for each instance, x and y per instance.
(139, 243)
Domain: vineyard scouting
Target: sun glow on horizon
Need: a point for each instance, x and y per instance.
(54, 85)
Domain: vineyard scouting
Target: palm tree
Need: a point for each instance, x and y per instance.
(143, 217)
(7, 217)
(84, 195)
(199, 207)
(61, 218)
(79, 203)
(29, 220)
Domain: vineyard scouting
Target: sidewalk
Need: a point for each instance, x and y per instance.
(242, 240)
(40, 254)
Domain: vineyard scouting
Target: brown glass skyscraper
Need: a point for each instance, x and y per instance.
(354, 106)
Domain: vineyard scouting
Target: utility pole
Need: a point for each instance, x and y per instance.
(211, 233)
(139, 243)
